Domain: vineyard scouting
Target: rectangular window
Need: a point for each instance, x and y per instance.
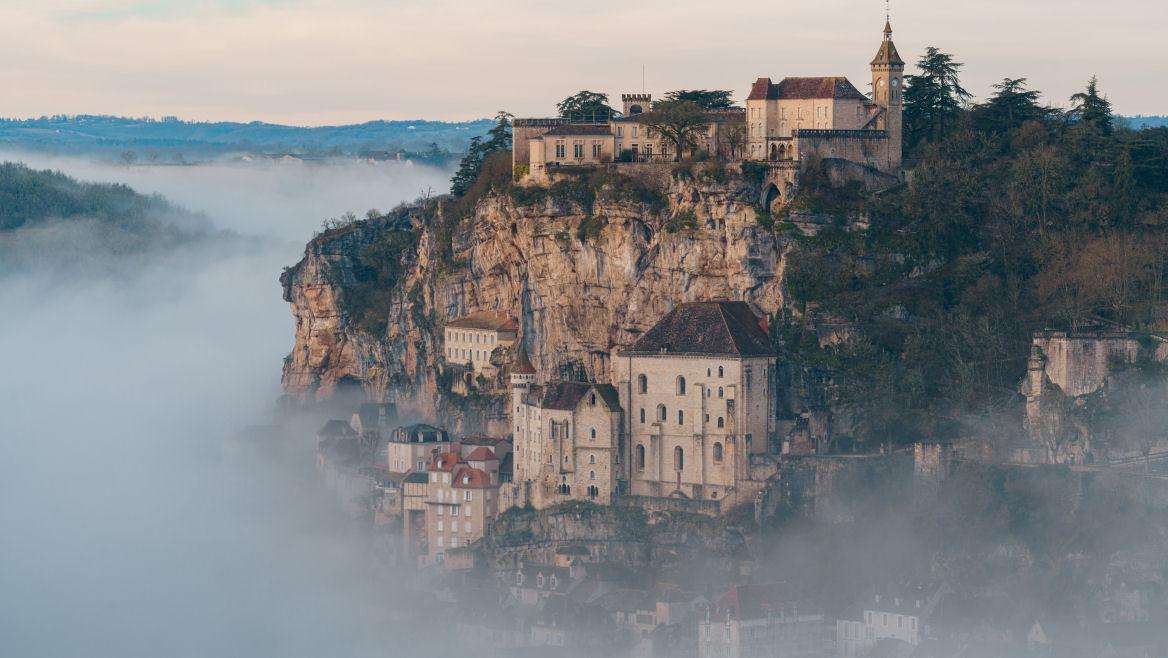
(578, 150)
(467, 496)
(440, 524)
(634, 131)
(620, 131)
(596, 150)
(561, 150)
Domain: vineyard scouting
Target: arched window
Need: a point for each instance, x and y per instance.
(593, 491)
(642, 414)
(591, 475)
(640, 457)
(643, 383)
(717, 452)
(720, 371)
(680, 417)
(593, 432)
(721, 393)
(721, 422)
(678, 458)
(662, 414)
(591, 459)
(681, 385)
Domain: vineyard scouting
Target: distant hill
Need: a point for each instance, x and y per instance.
(164, 137)
(1139, 121)
(49, 219)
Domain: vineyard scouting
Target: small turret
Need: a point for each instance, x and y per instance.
(522, 372)
(888, 95)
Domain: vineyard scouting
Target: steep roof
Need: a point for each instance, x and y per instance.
(444, 462)
(471, 478)
(336, 428)
(836, 87)
(887, 54)
(523, 364)
(489, 320)
(481, 454)
(566, 396)
(716, 328)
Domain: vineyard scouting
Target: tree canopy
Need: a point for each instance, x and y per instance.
(1092, 107)
(678, 121)
(498, 139)
(710, 99)
(586, 106)
(934, 98)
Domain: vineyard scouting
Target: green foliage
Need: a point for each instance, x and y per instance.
(933, 99)
(1007, 226)
(1092, 108)
(498, 139)
(1010, 107)
(754, 173)
(716, 99)
(379, 269)
(683, 220)
(586, 106)
(678, 121)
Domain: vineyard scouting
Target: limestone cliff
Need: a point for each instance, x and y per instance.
(582, 273)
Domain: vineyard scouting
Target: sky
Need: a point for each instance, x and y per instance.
(322, 62)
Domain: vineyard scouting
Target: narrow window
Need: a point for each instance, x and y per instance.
(642, 414)
(720, 372)
(721, 422)
(718, 452)
(680, 417)
(661, 413)
(678, 458)
(681, 385)
(591, 459)
(593, 432)
(643, 383)
(721, 393)
(640, 457)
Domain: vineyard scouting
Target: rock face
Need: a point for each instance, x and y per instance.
(578, 293)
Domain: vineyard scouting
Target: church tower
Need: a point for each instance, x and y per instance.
(888, 94)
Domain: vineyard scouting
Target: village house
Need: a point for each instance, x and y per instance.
(566, 440)
(372, 421)
(470, 340)
(460, 501)
(411, 447)
(754, 621)
(699, 389)
(901, 617)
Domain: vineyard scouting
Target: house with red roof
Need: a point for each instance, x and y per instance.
(462, 498)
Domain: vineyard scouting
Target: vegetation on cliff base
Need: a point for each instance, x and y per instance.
(1017, 217)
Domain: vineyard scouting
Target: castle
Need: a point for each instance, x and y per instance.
(686, 424)
(782, 125)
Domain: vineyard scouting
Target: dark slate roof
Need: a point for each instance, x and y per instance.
(836, 87)
(565, 396)
(577, 129)
(718, 328)
(336, 428)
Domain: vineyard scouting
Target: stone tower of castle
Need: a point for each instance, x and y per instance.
(888, 93)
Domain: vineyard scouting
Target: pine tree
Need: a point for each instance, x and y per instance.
(499, 139)
(1092, 108)
(1010, 107)
(933, 99)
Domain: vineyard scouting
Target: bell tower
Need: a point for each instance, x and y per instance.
(888, 95)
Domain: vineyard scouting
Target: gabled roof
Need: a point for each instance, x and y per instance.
(523, 364)
(444, 462)
(566, 396)
(717, 328)
(336, 427)
(836, 87)
(481, 454)
(471, 478)
(488, 320)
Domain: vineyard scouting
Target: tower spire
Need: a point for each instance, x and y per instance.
(887, 20)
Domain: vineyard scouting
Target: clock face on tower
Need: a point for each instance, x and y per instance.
(895, 82)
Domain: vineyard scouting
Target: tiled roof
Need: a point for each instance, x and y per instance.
(481, 454)
(523, 364)
(488, 320)
(887, 55)
(579, 129)
(444, 462)
(471, 478)
(805, 88)
(566, 396)
(419, 433)
(717, 328)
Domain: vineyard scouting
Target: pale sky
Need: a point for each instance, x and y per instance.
(315, 62)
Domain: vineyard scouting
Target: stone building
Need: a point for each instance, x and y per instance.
(829, 118)
(411, 447)
(470, 340)
(754, 621)
(566, 441)
(460, 501)
(698, 388)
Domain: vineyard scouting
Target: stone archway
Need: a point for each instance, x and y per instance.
(769, 194)
(775, 151)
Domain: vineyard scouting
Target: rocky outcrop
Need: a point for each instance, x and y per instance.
(581, 277)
